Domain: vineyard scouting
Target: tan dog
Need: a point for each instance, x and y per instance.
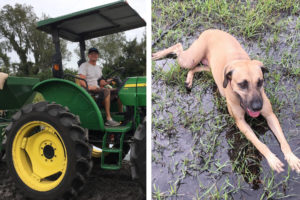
(239, 80)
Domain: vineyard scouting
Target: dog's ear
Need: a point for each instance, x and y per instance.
(263, 68)
(227, 77)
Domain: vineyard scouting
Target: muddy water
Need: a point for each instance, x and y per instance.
(195, 147)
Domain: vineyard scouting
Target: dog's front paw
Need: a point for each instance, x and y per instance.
(294, 161)
(275, 163)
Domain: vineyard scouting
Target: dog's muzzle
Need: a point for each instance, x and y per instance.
(254, 108)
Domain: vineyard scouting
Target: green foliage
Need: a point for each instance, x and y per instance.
(4, 59)
(19, 34)
(38, 98)
(250, 19)
(73, 72)
(110, 46)
(47, 73)
(133, 59)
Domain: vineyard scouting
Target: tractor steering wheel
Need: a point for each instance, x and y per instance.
(116, 79)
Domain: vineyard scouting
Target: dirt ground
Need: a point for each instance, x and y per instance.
(101, 185)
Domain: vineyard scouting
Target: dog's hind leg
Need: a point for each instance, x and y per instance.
(173, 51)
(189, 79)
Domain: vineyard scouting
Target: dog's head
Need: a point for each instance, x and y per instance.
(246, 80)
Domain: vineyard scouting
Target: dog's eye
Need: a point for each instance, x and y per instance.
(243, 85)
(259, 83)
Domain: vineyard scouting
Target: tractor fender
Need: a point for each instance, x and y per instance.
(78, 100)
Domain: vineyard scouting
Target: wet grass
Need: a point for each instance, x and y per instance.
(197, 151)
(249, 19)
(37, 98)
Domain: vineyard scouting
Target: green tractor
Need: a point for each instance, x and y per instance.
(49, 146)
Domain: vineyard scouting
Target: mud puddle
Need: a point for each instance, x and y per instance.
(197, 151)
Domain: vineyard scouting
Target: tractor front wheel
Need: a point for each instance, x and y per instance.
(47, 153)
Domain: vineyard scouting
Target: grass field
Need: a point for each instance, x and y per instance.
(197, 151)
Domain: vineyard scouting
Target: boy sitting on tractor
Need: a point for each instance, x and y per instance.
(91, 72)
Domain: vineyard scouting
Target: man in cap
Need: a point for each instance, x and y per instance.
(91, 72)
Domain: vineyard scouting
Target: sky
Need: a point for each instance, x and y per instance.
(55, 8)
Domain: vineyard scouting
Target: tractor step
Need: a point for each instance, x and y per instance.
(107, 151)
(111, 150)
(117, 116)
(119, 129)
(111, 167)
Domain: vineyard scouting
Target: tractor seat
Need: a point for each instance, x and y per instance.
(97, 97)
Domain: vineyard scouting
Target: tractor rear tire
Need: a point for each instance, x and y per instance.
(47, 153)
(138, 155)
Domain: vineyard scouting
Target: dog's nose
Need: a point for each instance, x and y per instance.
(256, 105)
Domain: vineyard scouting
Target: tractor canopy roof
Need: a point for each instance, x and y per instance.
(94, 22)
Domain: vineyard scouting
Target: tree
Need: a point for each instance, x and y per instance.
(133, 59)
(47, 74)
(109, 46)
(4, 59)
(18, 33)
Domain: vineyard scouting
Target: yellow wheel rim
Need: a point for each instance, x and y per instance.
(39, 156)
